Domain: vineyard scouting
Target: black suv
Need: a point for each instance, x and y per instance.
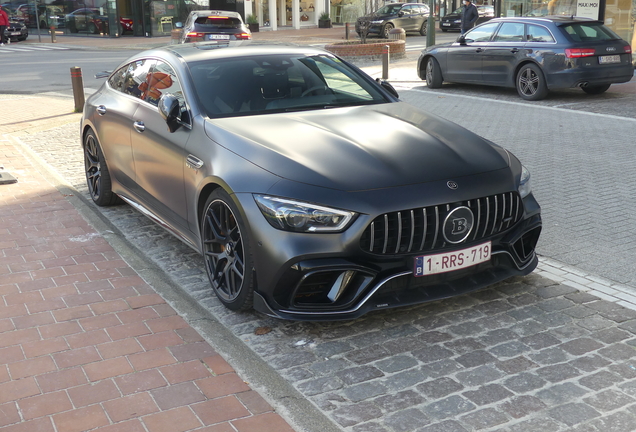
(409, 16)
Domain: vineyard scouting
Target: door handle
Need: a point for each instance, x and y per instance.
(139, 126)
(514, 50)
(101, 110)
(478, 50)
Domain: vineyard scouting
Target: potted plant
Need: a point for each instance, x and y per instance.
(324, 21)
(252, 23)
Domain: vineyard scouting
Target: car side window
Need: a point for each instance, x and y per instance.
(136, 74)
(510, 32)
(161, 80)
(538, 33)
(117, 80)
(482, 33)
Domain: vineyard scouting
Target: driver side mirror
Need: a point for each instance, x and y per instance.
(387, 86)
(169, 110)
(178, 25)
(401, 13)
(461, 40)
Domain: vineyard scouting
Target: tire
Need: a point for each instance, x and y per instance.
(424, 28)
(97, 174)
(433, 73)
(530, 83)
(92, 28)
(444, 30)
(226, 252)
(72, 28)
(386, 29)
(596, 89)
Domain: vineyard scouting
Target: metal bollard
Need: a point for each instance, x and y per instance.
(346, 31)
(385, 62)
(53, 36)
(78, 88)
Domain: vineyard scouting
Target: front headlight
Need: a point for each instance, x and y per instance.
(524, 182)
(377, 22)
(291, 215)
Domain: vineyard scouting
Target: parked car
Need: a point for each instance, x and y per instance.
(409, 16)
(533, 55)
(26, 13)
(16, 30)
(51, 15)
(85, 19)
(214, 25)
(453, 21)
(125, 25)
(310, 189)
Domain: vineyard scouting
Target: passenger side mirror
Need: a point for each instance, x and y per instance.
(461, 40)
(401, 13)
(388, 87)
(178, 25)
(169, 110)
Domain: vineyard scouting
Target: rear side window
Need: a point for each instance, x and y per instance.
(217, 22)
(588, 32)
(539, 34)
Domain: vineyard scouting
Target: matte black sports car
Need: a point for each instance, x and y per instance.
(409, 16)
(453, 20)
(311, 190)
(532, 55)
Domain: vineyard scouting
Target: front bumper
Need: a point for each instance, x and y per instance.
(330, 277)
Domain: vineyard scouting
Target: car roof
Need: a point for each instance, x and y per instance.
(215, 12)
(192, 52)
(556, 19)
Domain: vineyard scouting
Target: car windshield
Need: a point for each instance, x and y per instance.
(277, 83)
(390, 9)
(589, 32)
(217, 22)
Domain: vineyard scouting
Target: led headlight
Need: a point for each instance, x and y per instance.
(377, 22)
(291, 215)
(524, 183)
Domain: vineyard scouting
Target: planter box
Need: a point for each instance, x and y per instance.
(368, 51)
(324, 23)
(253, 27)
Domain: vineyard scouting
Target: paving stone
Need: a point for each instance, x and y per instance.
(406, 420)
(329, 349)
(617, 352)
(370, 427)
(433, 337)
(399, 401)
(329, 367)
(617, 422)
(479, 376)
(525, 313)
(555, 304)
(555, 291)
(515, 365)
(364, 391)
(353, 414)
(466, 329)
(440, 388)
(445, 426)
(494, 307)
(405, 379)
(600, 380)
(528, 327)
(595, 323)
(609, 400)
(537, 424)
(359, 374)
(509, 349)
(475, 358)
(580, 311)
(561, 393)
(487, 394)
(540, 341)
(549, 356)
(573, 413)
(589, 363)
(369, 354)
(498, 336)
(610, 335)
(522, 406)
(320, 385)
(625, 370)
(396, 363)
(557, 373)
(554, 319)
(432, 354)
(570, 331)
(465, 345)
(450, 407)
(442, 368)
(581, 346)
(485, 418)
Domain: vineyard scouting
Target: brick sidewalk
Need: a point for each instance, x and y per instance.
(85, 343)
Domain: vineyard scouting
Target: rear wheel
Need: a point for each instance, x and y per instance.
(433, 73)
(596, 89)
(424, 28)
(97, 174)
(92, 28)
(226, 252)
(386, 30)
(530, 83)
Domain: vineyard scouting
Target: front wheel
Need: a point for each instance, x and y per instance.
(433, 73)
(97, 174)
(530, 83)
(386, 30)
(424, 29)
(596, 89)
(226, 252)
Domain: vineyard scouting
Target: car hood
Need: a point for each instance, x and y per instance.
(376, 16)
(358, 148)
(451, 16)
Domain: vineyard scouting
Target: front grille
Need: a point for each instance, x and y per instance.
(418, 230)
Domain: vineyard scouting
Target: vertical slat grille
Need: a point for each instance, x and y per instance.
(416, 230)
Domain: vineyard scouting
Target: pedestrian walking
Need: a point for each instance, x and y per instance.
(469, 16)
(4, 22)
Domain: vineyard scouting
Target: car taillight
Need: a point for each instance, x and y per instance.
(243, 36)
(628, 49)
(194, 35)
(579, 52)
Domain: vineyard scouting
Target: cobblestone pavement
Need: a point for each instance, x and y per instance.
(553, 351)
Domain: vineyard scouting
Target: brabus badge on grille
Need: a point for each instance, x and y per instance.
(452, 185)
(458, 225)
(610, 49)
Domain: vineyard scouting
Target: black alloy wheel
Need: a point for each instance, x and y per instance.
(386, 30)
(530, 83)
(424, 28)
(228, 260)
(433, 73)
(97, 174)
(596, 89)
